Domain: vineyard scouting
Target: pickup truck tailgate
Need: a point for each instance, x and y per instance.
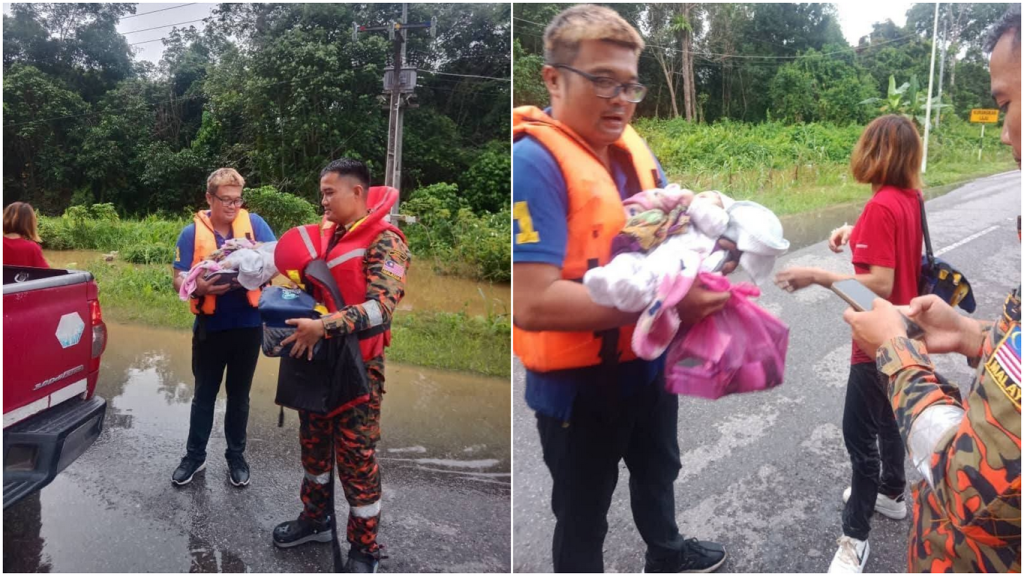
(49, 331)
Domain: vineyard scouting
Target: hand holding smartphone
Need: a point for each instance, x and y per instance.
(860, 298)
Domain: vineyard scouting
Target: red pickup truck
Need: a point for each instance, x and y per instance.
(54, 336)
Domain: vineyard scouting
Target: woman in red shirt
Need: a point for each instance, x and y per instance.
(21, 237)
(886, 246)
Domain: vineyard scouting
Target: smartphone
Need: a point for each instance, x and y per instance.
(860, 298)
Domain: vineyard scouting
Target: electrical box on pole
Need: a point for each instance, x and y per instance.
(400, 91)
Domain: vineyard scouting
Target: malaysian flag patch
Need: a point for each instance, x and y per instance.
(1004, 365)
(393, 269)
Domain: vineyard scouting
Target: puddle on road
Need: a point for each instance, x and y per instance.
(425, 290)
(437, 427)
(445, 419)
(808, 228)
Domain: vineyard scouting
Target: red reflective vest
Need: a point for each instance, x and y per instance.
(595, 216)
(345, 261)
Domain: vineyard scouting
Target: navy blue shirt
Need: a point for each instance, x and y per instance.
(539, 194)
(233, 309)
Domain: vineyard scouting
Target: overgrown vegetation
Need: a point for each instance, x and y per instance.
(273, 90)
(454, 239)
(793, 168)
(142, 293)
(758, 62)
(448, 235)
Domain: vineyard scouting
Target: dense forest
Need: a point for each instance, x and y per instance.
(788, 62)
(274, 90)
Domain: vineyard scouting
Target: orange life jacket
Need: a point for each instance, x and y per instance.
(345, 261)
(206, 244)
(595, 216)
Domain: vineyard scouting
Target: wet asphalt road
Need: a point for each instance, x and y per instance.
(764, 473)
(445, 460)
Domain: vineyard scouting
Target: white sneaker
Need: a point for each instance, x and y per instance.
(888, 507)
(851, 556)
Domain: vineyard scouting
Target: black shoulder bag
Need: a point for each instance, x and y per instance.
(939, 277)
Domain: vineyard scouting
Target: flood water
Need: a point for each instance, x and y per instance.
(424, 290)
(429, 417)
(445, 460)
(803, 230)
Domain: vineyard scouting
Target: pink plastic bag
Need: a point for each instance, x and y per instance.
(741, 348)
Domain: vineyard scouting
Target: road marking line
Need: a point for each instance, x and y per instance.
(966, 240)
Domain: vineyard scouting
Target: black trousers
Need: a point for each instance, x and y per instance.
(583, 457)
(875, 447)
(212, 352)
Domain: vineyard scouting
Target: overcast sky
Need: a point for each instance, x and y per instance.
(855, 18)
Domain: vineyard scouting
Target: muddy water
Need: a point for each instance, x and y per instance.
(431, 419)
(445, 462)
(805, 229)
(425, 290)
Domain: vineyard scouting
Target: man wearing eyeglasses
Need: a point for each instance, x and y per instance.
(227, 331)
(596, 402)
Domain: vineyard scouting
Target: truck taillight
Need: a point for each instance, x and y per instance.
(99, 332)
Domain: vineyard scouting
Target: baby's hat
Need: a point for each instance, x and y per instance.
(755, 229)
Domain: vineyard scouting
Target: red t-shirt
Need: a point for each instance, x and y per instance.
(888, 234)
(21, 252)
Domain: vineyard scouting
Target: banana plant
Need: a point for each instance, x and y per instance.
(907, 101)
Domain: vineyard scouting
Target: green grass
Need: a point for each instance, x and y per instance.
(799, 168)
(142, 294)
(458, 341)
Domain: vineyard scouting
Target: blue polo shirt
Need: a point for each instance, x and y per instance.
(233, 309)
(537, 180)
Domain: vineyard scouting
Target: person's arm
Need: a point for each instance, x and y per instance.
(958, 447)
(387, 262)
(183, 251)
(875, 250)
(541, 300)
(878, 279)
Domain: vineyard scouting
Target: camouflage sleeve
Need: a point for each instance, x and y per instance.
(928, 407)
(386, 263)
(957, 446)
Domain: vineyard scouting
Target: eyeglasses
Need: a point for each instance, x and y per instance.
(608, 88)
(230, 202)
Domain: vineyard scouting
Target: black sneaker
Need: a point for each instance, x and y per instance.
(361, 562)
(238, 471)
(295, 532)
(696, 556)
(186, 470)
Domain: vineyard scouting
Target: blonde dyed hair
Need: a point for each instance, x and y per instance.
(223, 177)
(20, 219)
(888, 153)
(573, 25)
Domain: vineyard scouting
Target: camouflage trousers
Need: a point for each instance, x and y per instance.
(356, 431)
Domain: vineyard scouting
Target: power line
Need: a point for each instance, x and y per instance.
(149, 41)
(160, 10)
(464, 75)
(164, 26)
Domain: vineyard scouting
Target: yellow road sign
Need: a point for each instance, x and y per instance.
(984, 116)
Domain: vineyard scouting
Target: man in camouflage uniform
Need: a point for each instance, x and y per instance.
(967, 509)
(356, 429)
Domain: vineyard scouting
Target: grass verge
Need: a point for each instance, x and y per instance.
(804, 167)
(142, 294)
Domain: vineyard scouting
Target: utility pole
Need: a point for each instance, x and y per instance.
(928, 102)
(942, 66)
(399, 85)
